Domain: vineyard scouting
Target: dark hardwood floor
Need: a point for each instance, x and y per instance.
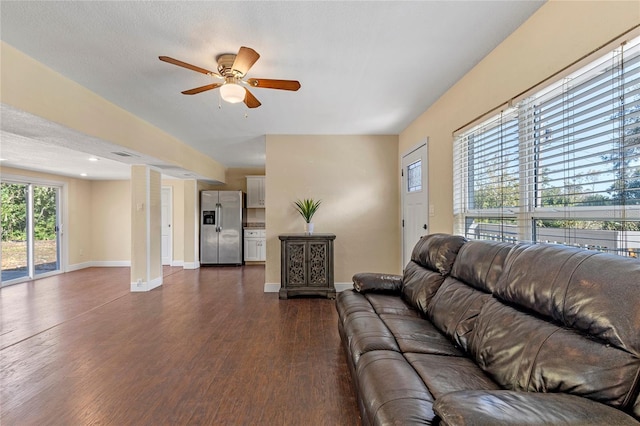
(207, 347)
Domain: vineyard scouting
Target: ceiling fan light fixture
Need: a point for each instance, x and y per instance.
(232, 93)
(232, 69)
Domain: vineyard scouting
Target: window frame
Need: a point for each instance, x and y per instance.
(530, 209)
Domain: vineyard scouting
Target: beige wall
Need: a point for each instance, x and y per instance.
(32, 87)
(155, 224)
(191, 213)
(111, 221)
(558, 34)
(79, 222)
(138, 232)
(356, 179)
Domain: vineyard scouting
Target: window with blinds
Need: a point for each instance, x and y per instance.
(561, 166)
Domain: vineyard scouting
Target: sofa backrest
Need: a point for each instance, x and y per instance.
(431, 261)
(474, 274)
(480, 263)
(564, 320)
(437, 252)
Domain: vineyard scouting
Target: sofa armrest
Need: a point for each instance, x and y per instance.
(503, 407)
(366, 282)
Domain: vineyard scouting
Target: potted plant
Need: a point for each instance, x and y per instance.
(307, 208)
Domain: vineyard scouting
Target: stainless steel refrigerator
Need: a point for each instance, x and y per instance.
(222, 216)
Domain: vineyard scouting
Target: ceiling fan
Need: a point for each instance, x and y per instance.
(232, 69)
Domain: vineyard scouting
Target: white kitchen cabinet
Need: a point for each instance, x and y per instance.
(255, 245)
(255, 192)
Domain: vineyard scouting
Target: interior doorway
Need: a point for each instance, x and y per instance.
(415, 199)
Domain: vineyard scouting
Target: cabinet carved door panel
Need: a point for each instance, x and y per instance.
(296, 272)
(318, 264)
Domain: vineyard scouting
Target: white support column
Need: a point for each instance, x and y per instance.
(191, 225)
(146, 233)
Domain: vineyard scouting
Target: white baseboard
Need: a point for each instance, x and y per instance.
(78, 266)
(99, 264)
(111, 263)
(271, 287)
(127, 263)
(343, 286)
(146, 286)
(190, 265)
(275, 287)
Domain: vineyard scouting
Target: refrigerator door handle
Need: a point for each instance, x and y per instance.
(219, 214)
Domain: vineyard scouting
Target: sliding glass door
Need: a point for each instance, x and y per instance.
(30, 231)
(46, 247)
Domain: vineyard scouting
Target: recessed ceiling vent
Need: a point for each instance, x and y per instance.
(124, 154)
(166, 167)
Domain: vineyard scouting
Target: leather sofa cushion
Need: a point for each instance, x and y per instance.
(366, 332)
(387, 304)
(348, 302)
(419, 286)
(480, 263)
(392, 392)
(444, 374)
(437, 251)
(455, 308)
(525, 408)
(384, 283)
(431, 260)
(578, 289)
(419, 335)
(522, 352)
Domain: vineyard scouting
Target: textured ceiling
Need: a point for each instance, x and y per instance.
(365, 67)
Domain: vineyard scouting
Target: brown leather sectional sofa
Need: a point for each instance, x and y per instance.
(489, 333)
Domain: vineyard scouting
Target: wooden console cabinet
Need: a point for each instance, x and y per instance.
(307, 265)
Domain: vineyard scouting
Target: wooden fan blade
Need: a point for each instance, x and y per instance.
(274, 84)
(186, 65)
(245, 59)
(250, 100)
(201, 89)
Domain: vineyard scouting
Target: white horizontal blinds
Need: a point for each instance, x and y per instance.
(460, 175)
(562, 166)
(587, 156)
(577, 126)
(486, 175)
(493, 157)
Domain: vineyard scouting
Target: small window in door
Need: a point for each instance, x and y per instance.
(414, 176)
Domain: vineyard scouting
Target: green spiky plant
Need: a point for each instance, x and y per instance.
(307, 208)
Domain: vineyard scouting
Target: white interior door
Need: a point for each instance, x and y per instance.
(167, 235)
(415, 199)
